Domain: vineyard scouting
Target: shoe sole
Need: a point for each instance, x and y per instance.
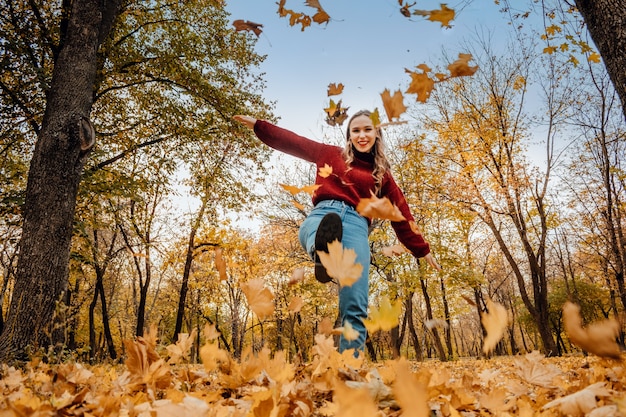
(329, 230)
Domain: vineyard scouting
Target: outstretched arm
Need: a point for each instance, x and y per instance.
(249, 121)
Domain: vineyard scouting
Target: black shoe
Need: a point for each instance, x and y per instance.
(328, 231)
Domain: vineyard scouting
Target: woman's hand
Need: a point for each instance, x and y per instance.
(430, 259)
(249, 121)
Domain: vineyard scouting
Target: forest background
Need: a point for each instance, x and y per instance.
(528, 230)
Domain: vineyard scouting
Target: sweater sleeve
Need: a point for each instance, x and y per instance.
(411, 239)
(288, 142)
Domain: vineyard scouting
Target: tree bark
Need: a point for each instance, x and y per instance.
(606, 22)
(54, 174)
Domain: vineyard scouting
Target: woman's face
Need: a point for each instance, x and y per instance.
(362, 133)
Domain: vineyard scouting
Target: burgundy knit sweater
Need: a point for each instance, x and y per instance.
(347, 185)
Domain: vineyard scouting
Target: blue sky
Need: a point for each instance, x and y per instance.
(366, 46)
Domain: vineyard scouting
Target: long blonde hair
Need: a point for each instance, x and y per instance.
(381, 163)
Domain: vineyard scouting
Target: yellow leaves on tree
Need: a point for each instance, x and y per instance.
(340, 264)
(599, 338)
(495, 320)
(385, 317)
(260, 299)
(379, 208)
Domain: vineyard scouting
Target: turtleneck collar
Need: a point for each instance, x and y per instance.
(363, 156)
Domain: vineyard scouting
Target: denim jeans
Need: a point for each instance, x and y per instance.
(353, 300)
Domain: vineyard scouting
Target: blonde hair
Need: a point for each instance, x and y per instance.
(381, 163)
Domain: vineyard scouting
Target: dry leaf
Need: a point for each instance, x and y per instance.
(599, 338)
(325, 171)
(394, 106)
(580, 403)
(421, 84)
(297, 276)
(444, 15)
(293, 190)
(296, 304)
(220, 264)
(321, 16)
(411, 396)
(394, 250)
(181, 349)
(325, 327)
(210, 332)
(532, 370)
(460, 67)
(240, 25)
(495, 321)
(260, 299)
(340, 264)
(353, 402)
(335, 114)
(347, 331)
(334, 89)
(379, 208)
(385, 317)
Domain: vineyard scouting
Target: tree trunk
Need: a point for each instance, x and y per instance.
(54, 174)
(605, 22)
(429, 316)
(416, 341)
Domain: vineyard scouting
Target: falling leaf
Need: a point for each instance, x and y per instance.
(444, 15)
(298, 205)
(394, 250)
(240, 25)
(220, 264)
(334, 89)
(410, 394)
(580, 403)
(297, 276)
(296, 304)
(321, 16)
(348, 332)
(460, 67)
(340, 264)
(495, 320)
(211, 356)
(421, 84)
(379, 208)
(293, 190)
(260, 299)
(599, 338)
(385, 317)
(210, 332)
(353, 402)
(335, 114)
(375, 117)
(394, 106)
(325, 171)
(325, 327)
(181, 349)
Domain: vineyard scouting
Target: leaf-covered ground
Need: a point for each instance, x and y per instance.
(150, 383)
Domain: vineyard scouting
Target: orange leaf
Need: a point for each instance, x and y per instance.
(297, 276)
(354, 402)
(325, 171)
(421, 84)
(394, 250)
(445, 15)
(309, 189)
(325, 327)
(460, 67)
(495, 321)
(295, 305)
(335, 89)
(260, 299)
(220, 264)
(394, 106)
(410, 394)
(379, 208)
(321, 16)
(240, 25)
(340, 263)
(385, 317)
(598, 338)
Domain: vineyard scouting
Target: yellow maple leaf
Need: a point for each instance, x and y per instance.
(599, 338)
(181, 349)
(334, 89)
(293, 190)
(295, 304)
(461, 68)
(443, 15)
(549, 50)
(220, 264)
(375, 117)
(410, 394)
(394, 106)
(495, 321)
(594, 57)
(385, 317)
(421, 84)
(325, 171)
(211, 356)
(379, 208)
(340, 264)
(353, 402)
(260, 299)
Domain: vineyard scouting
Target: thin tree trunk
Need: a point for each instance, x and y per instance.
(429, 316)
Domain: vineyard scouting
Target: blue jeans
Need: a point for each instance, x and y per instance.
(353, 300)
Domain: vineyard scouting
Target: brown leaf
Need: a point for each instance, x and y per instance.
(296, 304)
(335, 89)
(598, 338)
(379, 208)
(410, 394)
(220, 264)
(394, 106)
(335, 114)
(297, 276)
(260, 299)
(240, 25)
(321, 16)
(421, 84)
(495, 321)
(460, 67)
(444, 15)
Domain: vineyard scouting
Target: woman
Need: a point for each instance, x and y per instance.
(356, 171)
